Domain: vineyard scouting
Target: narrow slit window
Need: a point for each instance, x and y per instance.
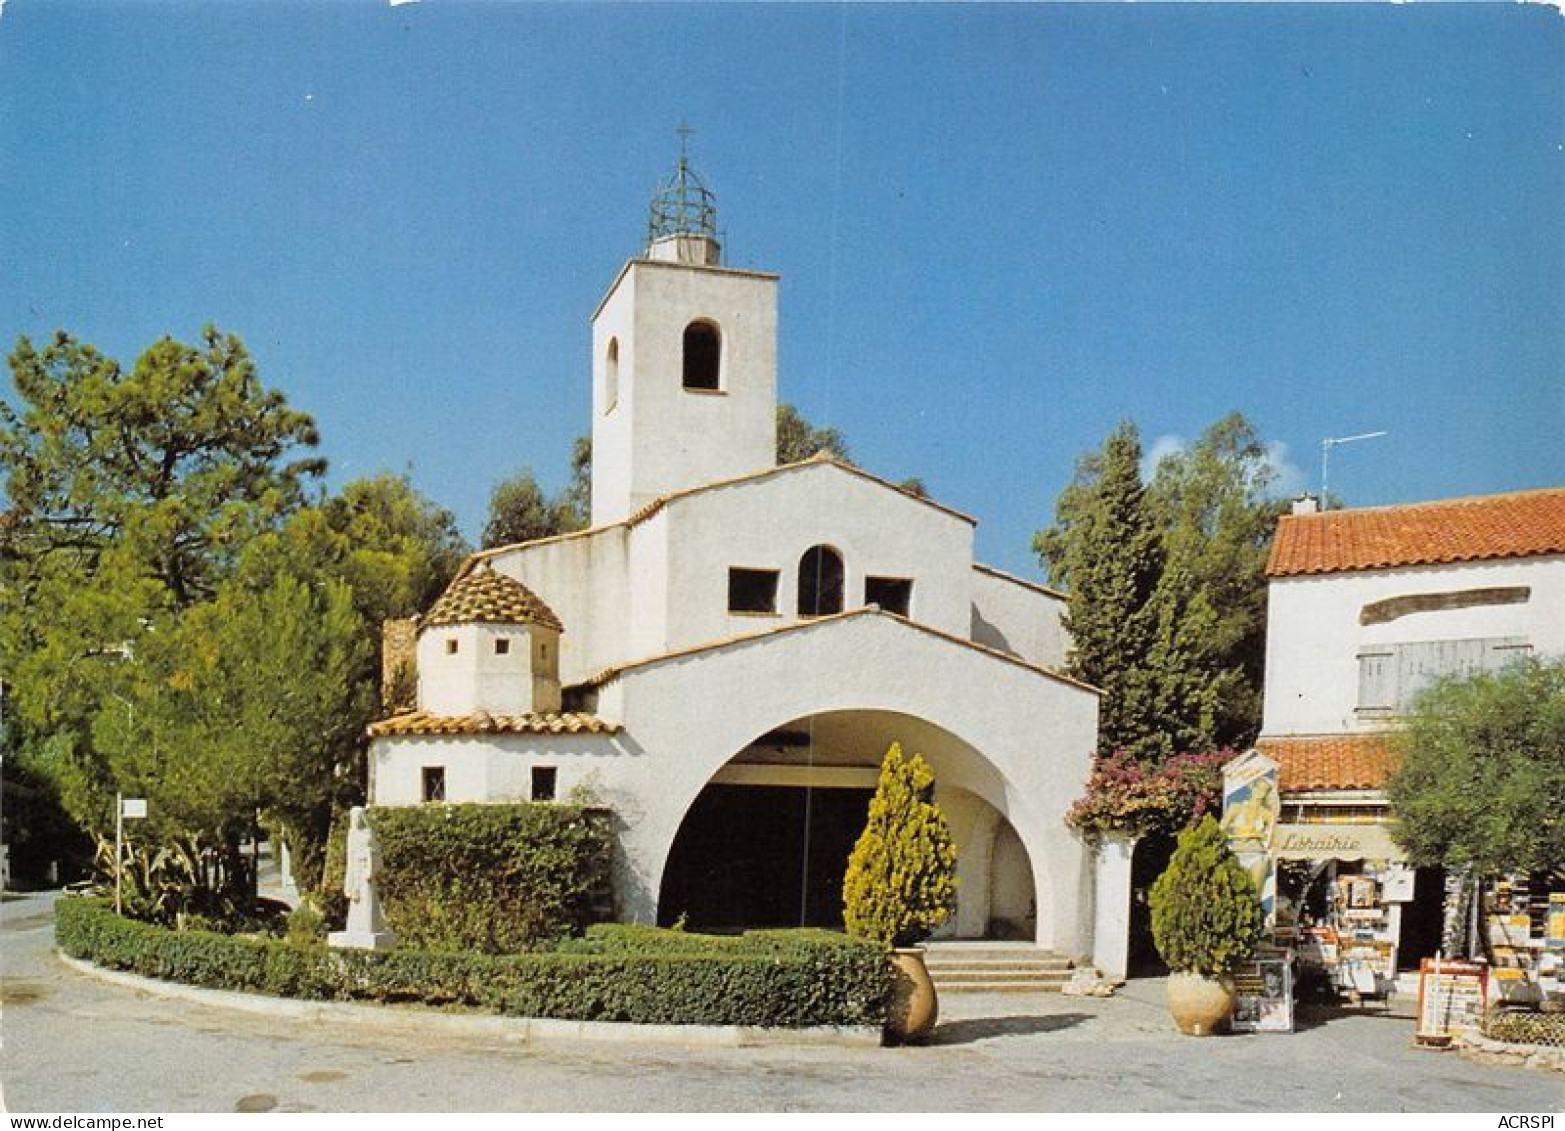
(611, 376)
(545, 778)
(893, 594)
(703, 357)
(752, 590)
(434, 783)
(451, 646)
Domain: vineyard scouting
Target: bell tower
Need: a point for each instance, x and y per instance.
(684, 360)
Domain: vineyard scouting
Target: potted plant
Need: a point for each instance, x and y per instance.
(901, 885)
(1206, 920)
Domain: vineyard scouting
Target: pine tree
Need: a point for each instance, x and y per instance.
(901, 879)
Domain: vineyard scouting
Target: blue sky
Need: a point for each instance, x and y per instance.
(1001, 229)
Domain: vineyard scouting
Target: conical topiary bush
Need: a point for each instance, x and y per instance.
(1206, 914)
(901, 878)
(1206, 920)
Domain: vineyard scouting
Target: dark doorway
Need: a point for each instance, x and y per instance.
(1148, 862)
(1423, 920)
(762, 856)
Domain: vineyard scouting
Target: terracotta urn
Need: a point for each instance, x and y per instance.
(1199, 1005)
(914, 1009)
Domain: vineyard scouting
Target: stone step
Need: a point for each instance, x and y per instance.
(996, 968)
(1042, 962)
(998, 987)
(1004, 975)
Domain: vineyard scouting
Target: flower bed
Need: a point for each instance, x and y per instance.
(787, 979)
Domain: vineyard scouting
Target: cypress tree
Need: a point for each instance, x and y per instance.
(1104, 547)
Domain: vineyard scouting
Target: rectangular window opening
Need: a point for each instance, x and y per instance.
(544, 781)
(451, 646)
(893, 594)
(752, 590)
(434, 783)
(502, 647)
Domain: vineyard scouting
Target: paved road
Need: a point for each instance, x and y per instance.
(70, 1043)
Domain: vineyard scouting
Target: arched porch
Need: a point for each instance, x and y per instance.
(766, 841)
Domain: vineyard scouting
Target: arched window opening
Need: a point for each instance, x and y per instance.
(703, 356)
(820, 582)
(611, 376)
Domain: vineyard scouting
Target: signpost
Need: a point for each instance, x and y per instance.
(1451, 999)
(1265, 994)
(125, 808)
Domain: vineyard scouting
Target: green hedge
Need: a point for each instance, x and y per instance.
(493, 878)
(767, 978)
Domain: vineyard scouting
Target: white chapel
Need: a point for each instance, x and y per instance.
(724, 656)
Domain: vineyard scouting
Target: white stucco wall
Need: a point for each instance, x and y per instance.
(1314, 636)
(660, 437)
(585, 580)
(1021, 740)
(648, 590)
(770, 523)
(489, 767)
(1013, 616)
(474, 678)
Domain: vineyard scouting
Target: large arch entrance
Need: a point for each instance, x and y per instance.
(766, 842)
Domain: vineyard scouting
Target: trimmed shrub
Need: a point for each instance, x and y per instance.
(493, 878)
(901, 878)
(1206, 914)
(779, 979)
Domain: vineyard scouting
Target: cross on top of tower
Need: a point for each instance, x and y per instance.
(682, 204)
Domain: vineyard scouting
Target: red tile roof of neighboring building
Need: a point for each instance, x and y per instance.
(1330, 762)
(1518, 525)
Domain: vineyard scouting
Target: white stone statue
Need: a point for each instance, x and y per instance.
(366, 928)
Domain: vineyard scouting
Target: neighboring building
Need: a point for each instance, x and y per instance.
(724, 657)
(1365, 609)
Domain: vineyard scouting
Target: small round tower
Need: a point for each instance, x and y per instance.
(488, 644)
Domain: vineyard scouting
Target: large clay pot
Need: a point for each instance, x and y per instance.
(1200, 1005)
(914, 1008)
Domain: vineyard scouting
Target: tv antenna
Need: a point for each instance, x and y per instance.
(1325, 456)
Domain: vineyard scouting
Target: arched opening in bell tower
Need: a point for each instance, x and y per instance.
(703, 349)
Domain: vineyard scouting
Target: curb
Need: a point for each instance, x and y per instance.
(1485, 1050)
(511, 1030)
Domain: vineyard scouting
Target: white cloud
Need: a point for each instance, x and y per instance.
(1290, 477)
(1158, 451)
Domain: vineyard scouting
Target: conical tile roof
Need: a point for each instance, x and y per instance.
(485, 596)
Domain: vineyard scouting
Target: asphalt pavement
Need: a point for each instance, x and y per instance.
(70, 1042)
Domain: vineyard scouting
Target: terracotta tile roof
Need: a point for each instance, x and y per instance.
(1517, 525)
(1328, 762)
(486, 596)
(482, 722)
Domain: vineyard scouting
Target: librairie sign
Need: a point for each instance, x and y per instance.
(1335, 842)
